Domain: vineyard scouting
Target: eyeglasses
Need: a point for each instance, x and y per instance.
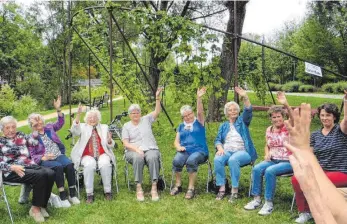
(134, 113)
(187, 115)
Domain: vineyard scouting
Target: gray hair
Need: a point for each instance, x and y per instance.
(185, 108)
(134, 107)
(6, 120)
(93, 111)
(227, 106)
(34, 116)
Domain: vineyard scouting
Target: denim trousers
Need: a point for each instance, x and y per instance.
(269, 169)
(191, 161)
(235, 160)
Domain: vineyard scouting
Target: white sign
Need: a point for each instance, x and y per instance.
(313, 69)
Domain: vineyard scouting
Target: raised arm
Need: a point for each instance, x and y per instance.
(200, 106)
(76, 127)
(157, 109)
(60, 122)
(281, 98)
(343, 124)
(323, 193)
(244, 96)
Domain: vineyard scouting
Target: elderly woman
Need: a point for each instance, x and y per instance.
(141, 147)
(276, 158)
(93, 151)
(330, 147)
(17, 167)
(50, 152)
(190, 144)
(234, 145)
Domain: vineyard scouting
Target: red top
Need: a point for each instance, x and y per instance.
(88, 150)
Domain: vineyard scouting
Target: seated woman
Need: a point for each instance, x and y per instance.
(330, 147)
(234, 145)
(190, 144)
(141, 147)
(93, 151)
(50, 152)
(276, 158)
(16, 167)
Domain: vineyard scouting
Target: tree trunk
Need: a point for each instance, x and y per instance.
(216, 105)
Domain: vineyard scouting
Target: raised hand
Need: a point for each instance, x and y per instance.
(80, 108)
(299, 132)
(201, 92)
(159, 90)
(241, 91)
(57, 102)
(281, 98)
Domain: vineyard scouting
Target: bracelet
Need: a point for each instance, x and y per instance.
(157, 99)
(58, 110)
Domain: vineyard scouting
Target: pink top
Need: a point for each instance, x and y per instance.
(274, 140)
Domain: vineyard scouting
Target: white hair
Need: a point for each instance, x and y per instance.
(227, 106)
(134, 107)
(6, 120)
(93, 111)
(34, 116)
(184, 109)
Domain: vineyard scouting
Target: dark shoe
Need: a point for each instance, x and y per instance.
(90, 199)
(233, 197)
(175, 190)
(190, 194)
(108, 196)
(220, 195)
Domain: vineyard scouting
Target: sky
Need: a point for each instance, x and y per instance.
(263, 17)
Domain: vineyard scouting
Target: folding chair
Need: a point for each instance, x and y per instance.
(2, 183)
(209, 174)
(126, 171)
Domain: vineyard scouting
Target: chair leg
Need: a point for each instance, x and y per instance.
(291, 208)
(163, 173)
(77, 176)
(7, 204)
(115, 177)
(172, 177)
(209, 174)
(126, 171)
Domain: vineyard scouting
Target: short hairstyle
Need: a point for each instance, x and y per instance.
(34, 116)
(184, 109)
(228, 104)
(330, 108)
(6, 120)
(95, 112)
(276, 109)
(134, 107)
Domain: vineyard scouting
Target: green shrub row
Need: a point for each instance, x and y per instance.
(335, 87)
(293, 86)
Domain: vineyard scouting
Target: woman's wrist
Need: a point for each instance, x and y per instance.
(58, 110)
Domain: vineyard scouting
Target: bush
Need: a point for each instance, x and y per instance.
(278, 87)
(339, 87)
(307, 88)
(292, 86)
(25, 106)
(7, 99)
(80, 96)
(329, 87)
(272, 86)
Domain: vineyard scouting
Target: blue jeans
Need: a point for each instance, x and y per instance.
(235, 161)
(269, 169)
(60, 165)
(191, 161)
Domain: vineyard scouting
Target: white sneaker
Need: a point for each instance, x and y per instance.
(254, 204)
(55, 201)
(304, 217)
(44, 213)
(65, 204)
(266, 209)
(74, 200)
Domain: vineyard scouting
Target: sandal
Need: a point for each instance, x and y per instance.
(155, 196)
(140, 195)
(220, 195)
(175, 190)
(190, 194)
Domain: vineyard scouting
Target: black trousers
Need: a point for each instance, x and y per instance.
(42, 180)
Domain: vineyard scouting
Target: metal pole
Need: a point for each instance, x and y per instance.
(70, 59)
(90, 90)
(111, 60)
(236, 96)
(263, 68)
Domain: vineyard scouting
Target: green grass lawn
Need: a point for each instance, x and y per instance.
(203, 209)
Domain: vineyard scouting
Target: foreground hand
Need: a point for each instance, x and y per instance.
(240, 91)
(181, 149)
(201, 92)
(281, 98)
(299, 132)
(19, 170)
(57, 103)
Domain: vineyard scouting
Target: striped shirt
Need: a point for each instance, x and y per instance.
(331, 149)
